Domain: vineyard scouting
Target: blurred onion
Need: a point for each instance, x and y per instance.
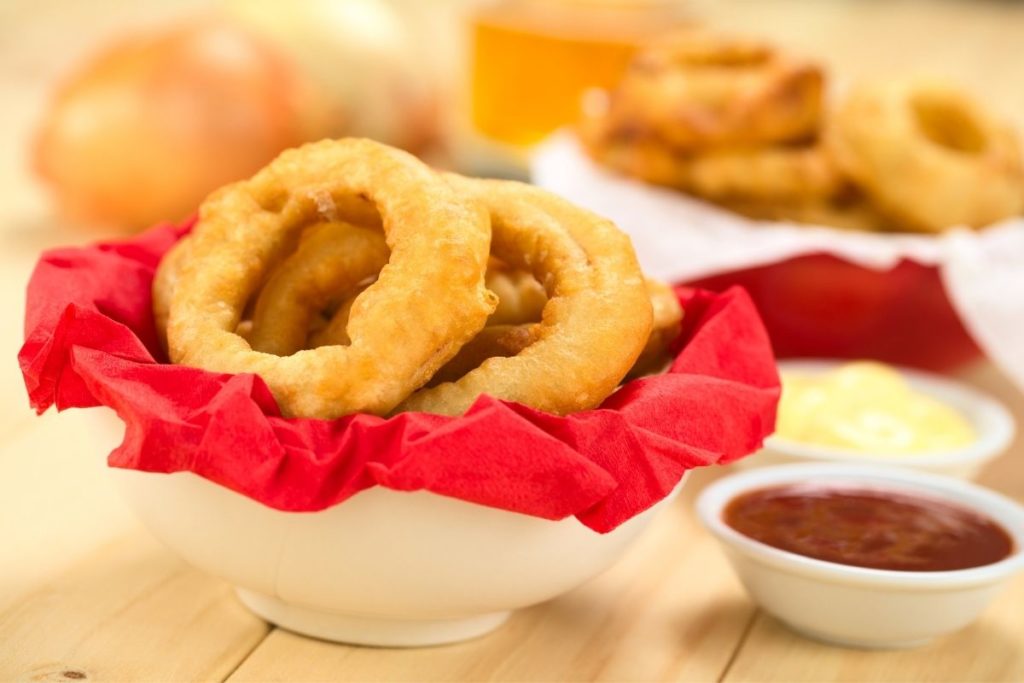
(145, 131)
(365, 59)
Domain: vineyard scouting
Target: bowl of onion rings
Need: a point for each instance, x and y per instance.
(389, 405)
(842, 218)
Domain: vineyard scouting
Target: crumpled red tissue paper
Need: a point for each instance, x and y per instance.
(90, 341)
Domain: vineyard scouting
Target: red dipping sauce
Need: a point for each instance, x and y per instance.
(869, 528)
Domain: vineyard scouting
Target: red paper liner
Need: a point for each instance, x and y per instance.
(90, 340)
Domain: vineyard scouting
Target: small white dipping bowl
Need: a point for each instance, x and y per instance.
(384, 568)
(992, 422)
(854, 606)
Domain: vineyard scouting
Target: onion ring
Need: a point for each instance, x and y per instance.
(164, 283)
(597, 319)
(166, 278)
(311, 283)
(520, 297)
(760, 174)
(494, 341)
(928, 155)
(435, 276)
(697, 90)
(844, 212)
(307, 286)
(335, 331)
(330, 262)
(504, 339)
(520, 300)
(668, 317)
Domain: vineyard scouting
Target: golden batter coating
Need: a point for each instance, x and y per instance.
(427, 302)
(928, 155)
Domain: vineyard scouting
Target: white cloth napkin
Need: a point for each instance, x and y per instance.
(678, 238)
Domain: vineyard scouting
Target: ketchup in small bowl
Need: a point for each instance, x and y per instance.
(862, 527)
(865, 556)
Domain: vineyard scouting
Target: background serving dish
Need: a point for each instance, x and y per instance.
(824, 292)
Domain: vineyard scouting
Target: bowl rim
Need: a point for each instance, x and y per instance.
(992, 421)
(1007, 512)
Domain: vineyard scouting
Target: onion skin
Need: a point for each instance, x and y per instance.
(145, 131)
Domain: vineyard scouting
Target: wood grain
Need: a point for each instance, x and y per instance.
(56, 502)
(131, 611)
(988, 650)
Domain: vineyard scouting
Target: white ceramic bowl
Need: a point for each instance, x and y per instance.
(854, 606)
(385, 567)
(992, 422)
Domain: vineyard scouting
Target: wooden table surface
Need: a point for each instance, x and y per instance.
(86, 593)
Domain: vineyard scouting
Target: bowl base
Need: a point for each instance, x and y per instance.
(373, 631)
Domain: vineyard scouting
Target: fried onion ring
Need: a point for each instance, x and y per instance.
(327, 248)
(494, 341)
(312, 280)
(696, 90)
(502, 341)
(844, 212)
(335, 331)
(328, 265)
(164, 283)
(668, 317)
(435, 276)
(520, 300)
(166, 277)
(302, 285)
(928, 155)
(597, 318)
(520, 297)
(758, 174)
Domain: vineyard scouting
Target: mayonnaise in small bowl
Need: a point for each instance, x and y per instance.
(869, 412)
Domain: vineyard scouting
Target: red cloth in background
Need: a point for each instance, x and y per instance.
(90, 340)
(822, 306)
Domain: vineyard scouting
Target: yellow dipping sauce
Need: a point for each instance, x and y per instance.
(867, 407)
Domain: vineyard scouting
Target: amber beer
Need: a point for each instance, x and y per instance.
(533, 59)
